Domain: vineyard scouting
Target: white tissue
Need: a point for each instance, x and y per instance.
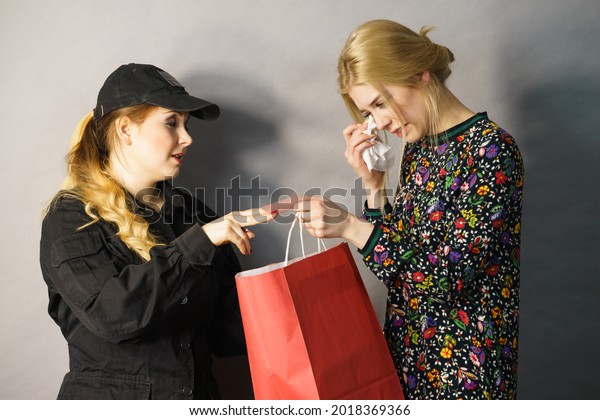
(371, 125)
(378, 156)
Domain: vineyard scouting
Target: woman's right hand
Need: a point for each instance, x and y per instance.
(231, 228)
(325, 219)
(356, 143)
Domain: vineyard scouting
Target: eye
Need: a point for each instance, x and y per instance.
(171, 122)
(380, 104)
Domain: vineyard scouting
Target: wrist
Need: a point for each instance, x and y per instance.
(357, 231)
(377, 200)
(371, 188)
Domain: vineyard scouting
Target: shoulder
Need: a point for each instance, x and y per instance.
(65, 215)
(488, 140)
(487, 130)
(66, 207)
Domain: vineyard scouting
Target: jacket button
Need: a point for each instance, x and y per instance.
(188, 391)
(184, 300)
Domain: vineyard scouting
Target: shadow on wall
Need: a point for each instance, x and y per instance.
(559, 287)
(217, 169)
(224, 164)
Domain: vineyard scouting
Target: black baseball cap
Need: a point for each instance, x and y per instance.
(136, 84)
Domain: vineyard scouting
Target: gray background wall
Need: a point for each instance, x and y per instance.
(271, 65)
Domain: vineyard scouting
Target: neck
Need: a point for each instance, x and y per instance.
(144, 190)
(452, 112)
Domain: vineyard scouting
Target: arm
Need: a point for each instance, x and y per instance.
(113, 296)
(116, 300)
(227, 331)
(324, 219)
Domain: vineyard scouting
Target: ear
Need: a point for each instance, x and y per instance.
(425, 76)
(124, 128)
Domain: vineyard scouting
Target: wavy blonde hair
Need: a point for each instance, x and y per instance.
(383, 52)
(89, 178)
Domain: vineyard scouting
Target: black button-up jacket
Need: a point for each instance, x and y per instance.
(137, 329)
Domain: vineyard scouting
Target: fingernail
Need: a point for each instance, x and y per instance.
(274, 212)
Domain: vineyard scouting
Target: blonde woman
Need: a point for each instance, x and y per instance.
(140, 275)
(447, 245)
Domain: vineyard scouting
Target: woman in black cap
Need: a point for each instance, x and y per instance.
(140, 275)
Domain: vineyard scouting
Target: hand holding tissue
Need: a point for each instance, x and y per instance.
(379, 156)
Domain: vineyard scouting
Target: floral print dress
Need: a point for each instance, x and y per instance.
(448, 252)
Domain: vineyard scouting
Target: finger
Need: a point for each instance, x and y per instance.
(304, 203)
(359, 139)
(315, 231)
(249, 233)
(318, 233)
(310, 230)
(355, 150)
(358, 150)
(304, 217)
(310, 207)
(357, 156)
(240, 238)
(350, 129)
(255, 216)
(283, 204)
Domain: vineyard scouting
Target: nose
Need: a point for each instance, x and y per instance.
(186, 139)
(382, 121)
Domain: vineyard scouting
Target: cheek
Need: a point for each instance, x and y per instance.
(414, 116)
(160, 145)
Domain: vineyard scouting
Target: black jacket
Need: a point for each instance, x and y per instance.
(136, 329)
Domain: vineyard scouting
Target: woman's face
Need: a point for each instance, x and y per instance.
(157, 145)
(412, 122)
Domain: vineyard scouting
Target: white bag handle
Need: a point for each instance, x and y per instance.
(287, 248)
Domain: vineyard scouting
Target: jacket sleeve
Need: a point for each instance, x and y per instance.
(481, 224)
(227, 331)
(115, 302)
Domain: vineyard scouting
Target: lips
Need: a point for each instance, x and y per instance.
(178, 156)
(400, 130)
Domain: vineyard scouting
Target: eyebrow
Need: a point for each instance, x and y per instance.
(183, 114)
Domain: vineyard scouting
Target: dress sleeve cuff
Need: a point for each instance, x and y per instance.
(196, 246)
(369, 212)
(371, 242)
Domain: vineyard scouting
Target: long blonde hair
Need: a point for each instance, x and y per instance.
(89, 178)
(383, 52)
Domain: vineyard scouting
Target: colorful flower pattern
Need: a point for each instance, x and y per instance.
(448, 251)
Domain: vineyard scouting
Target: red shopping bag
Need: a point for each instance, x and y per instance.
(312, 333)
